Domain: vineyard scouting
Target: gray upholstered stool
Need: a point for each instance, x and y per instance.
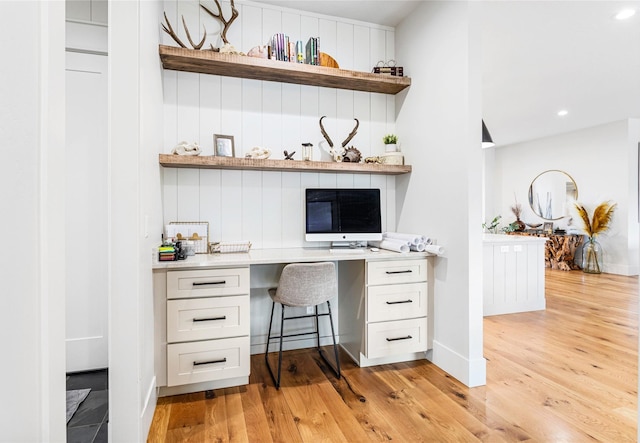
(304, 285)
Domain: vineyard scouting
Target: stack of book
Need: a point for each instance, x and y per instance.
(312, 51)
(167, 253)
(280, 48)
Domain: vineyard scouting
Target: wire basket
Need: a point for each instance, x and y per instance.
(228, 247)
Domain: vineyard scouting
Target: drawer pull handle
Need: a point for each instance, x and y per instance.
(203, 283)
(408, 271)
(408, 337)
(224, 317)
(399, 302)
(209, 362)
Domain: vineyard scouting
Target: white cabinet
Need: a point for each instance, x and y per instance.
(391, 309)
(207, 328)
(513, 277)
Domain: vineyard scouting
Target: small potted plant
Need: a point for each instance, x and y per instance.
(390, 142)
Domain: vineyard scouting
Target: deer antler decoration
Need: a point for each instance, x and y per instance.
(346, 140)
(219, 16)
(169, 30)
(351, 134)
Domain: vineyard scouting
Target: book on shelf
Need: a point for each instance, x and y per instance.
(312, 51)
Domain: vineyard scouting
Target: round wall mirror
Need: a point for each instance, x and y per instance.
(552, 193)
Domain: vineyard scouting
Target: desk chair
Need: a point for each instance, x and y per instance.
(304, 285)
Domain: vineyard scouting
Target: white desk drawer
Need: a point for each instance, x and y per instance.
(396, 271)
(206, 318)
(207, 282)
(396, 337)
(207, 360)
(396, 302)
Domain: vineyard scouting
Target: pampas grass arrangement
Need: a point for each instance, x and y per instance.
(600, 221)
(593, 227)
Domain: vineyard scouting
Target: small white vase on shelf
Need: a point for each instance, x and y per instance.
(391, 147)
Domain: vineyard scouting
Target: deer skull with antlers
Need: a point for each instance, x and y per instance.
(219, 16)
(337, 156)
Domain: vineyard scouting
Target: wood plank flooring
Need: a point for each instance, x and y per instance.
(566, 374)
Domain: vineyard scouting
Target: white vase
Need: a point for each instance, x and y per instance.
(391, 147)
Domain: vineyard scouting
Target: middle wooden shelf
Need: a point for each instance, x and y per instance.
(214, 162)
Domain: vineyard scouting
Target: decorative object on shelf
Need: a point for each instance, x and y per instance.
(184, 148)
(328, 61)
(517, 211)
(226, 23)
(388, 68)
(259, 51)
(392, 158)
(258, 153)
(390, 142)
(228, 48)
(534, 225)
(372, 160)
(492, 228)
(599, 223)
(307, 152)
(352, 155)
(224, 146)
(335, 154)
(169, 30)
(288, 156)
(547, 228)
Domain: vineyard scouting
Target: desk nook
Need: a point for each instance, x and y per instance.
(212, 312)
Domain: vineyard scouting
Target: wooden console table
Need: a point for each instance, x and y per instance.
(560, 250)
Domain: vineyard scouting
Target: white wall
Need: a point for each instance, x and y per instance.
(135, 215)
(603, 161)
(266, 207)
(439, 122)
(32, 194)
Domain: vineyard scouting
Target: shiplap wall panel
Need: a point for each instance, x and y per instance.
(231, 214)
(344, 49)
(267, 208)
(210, 112)
(252, 202)
(210, 201)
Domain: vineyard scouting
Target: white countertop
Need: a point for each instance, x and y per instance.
(285, 255)
(504, 238)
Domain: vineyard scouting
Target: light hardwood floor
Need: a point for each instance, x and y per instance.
(566, 374)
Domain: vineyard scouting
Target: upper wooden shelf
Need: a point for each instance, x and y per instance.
(231, 65)
(212, 162)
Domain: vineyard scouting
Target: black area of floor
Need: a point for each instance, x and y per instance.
(89, 423)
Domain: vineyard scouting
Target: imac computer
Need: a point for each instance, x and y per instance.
(344, 217)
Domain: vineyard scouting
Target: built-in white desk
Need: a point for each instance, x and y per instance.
(212, 311)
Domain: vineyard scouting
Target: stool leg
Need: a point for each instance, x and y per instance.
(336, 368)
(317, 329)
(280, 352)
(335, 346)
(266, 354)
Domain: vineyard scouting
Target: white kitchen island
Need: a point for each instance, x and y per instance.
(513, 274)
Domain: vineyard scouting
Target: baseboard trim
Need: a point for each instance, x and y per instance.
(149, 408)
(470, 372)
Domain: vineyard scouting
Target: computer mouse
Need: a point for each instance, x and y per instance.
(374, 249)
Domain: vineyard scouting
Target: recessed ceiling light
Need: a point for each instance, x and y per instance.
(562, 112)
(625, 14)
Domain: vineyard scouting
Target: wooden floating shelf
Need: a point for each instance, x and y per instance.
(231, 65)
(213, 162)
